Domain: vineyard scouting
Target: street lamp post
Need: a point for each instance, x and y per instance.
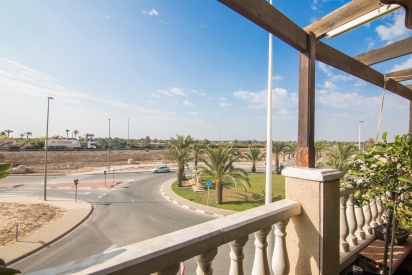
(45, 147)
(359, 134)
(128, 119)
(108, 148)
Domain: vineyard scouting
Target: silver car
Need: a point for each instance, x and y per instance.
(161, 169)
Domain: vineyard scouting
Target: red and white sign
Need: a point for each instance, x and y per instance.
(76, 182)
(105, 172)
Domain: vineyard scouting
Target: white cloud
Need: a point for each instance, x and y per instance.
(224, 104)
(169, 92)
(258, 100)
(196, 114)
(103, 16)
(277, 77)
(395, 29)
(328, 70)
(313, 7)
(151, 12)
(150, 101)
(223, 98)
(188, 103)
(405, 65)
(197, 92)
(328, 85)
(203, 26)
(359, 83)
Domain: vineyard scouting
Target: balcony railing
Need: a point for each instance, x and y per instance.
(163, 254)
(356, 225)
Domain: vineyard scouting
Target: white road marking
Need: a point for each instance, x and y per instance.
(104, 194)
(153, 219)
(99, 197)
(86, 193)
(112, 247)
(132, 201)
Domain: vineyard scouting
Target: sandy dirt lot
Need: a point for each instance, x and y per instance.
(31, 217)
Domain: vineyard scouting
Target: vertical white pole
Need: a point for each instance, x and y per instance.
(268, 198)
(45, 148)
(108, 147)
(360, 134)
(128, 119)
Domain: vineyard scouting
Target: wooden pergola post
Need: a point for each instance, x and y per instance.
(410, 117)
(305, 152)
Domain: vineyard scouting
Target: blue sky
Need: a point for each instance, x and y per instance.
(180, 67)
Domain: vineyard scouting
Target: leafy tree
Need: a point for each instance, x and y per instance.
(254, 154)
(2, 133)
(197, 149)
(180, 150)
(384, 172)
(278, 148)
(67, 133)
(75, 132)
(8, 132)
(219, 165)
(28, 134)
(21, 136)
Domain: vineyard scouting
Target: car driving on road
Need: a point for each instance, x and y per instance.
(161, 169)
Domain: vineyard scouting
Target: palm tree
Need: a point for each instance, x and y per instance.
(254, 154)
(8, 132)
(292, 148)
(75, 132)
(338, 156)
(21, 136)
(219, 164)
(67, 133)
(278, 148)
(197, 148)
(180, 149)
(320, 146)
(28, 134)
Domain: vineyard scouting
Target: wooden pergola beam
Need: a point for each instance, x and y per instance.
(401, 75)
(410, 87)
(268, 17)
(343, 15)
(407, 4)
(397, 49)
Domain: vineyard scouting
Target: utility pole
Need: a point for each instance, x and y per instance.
(128, 119)
(108, 147)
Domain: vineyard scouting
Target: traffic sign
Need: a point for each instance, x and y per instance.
(76, 182)
(105, 172)
(208, 183)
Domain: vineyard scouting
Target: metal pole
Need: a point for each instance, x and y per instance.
(220, 134)
(268, 197)
(208, 196)
(104, 179)
(45, 148)
(360, 134)
(76, 194)
(128, 120)
(108, 147)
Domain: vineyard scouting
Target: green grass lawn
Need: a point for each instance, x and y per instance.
(235, 198)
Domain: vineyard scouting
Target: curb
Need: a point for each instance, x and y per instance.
(185, 206)
(52, 241)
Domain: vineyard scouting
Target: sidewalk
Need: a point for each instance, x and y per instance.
(75, 215)
(167, 192)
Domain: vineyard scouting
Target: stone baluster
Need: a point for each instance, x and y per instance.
(381, 214)
(375, 213)
(360, 220)
(344, 228)
(280, 259)
(350, 214)
(261, 264)
(169, 271)
(204, 262)
(237, 256)
(368, 218)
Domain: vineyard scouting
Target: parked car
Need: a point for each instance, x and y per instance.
(161, 169)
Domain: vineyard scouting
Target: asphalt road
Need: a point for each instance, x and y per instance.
(132, 212)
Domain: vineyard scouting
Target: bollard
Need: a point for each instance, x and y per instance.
(17, 231)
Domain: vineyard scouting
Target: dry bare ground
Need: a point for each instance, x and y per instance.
(80, 161)
(31, 217)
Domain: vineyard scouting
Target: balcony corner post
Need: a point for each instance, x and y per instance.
(313, 236)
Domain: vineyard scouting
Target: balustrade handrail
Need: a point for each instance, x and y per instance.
(162, 252)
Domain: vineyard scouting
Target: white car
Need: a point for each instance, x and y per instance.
(161, 169)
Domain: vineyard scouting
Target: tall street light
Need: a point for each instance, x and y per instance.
(45, 147)
(359, 133)
(128, 119)
(108, 147)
